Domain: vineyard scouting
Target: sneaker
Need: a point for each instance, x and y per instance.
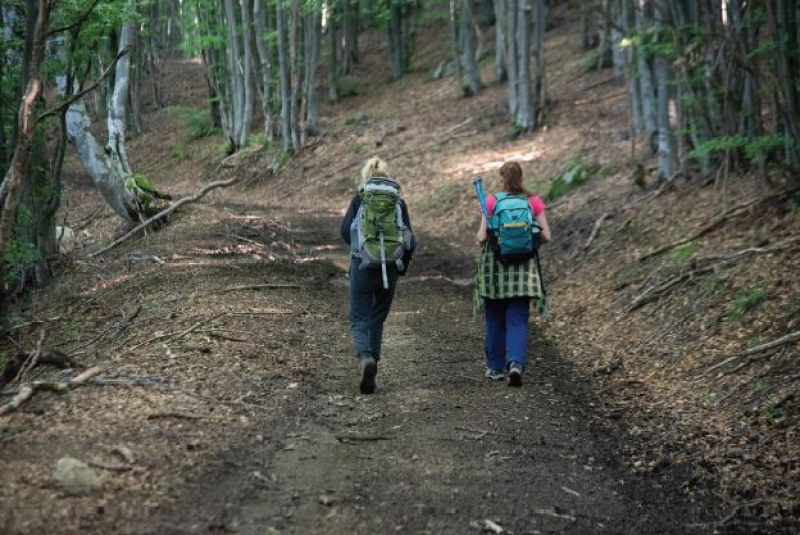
(369, 369)
(515, 374)
(494, 375)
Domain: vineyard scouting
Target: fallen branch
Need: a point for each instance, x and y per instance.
(788, 339)
(362, 438)
(180, 334)
(595, 230)
(27, 390)
(175, 414)
(166, 211)
(707, 265)
(653, 293)
(262, 287)
(711, 225)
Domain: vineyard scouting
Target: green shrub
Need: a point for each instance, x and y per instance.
(197, 122)
(683, 254)
(744, 303)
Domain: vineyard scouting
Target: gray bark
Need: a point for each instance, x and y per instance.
(665, 157)
(285, 77)
(537, 56)
(247, 76)
(313, 40)
(646, 88)
(525, 118)
(295, 73)
(471, 72)
(333, 54)
(235, 81)
(260, 16)
(350, 18)
(500, 61)
(629, 56)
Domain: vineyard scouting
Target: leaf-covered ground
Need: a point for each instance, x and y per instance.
(229, 399)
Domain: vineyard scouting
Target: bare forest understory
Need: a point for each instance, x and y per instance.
(221, 393)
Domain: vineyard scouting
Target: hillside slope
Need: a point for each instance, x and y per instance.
(228, 369)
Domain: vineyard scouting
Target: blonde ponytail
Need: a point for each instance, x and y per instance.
(374, 167)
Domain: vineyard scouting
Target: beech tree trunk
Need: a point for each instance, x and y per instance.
(471, 72)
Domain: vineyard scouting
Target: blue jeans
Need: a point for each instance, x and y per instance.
(369, 306)
(506, 332)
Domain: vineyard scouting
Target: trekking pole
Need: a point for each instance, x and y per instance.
(477, 182)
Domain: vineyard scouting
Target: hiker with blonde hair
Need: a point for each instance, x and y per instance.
(378, 229)
(507, 285)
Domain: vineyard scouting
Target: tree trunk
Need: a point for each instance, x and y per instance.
(646, 87)
(285, 77)
(108, 166)
(314, 39)
(469, 54)
(665, 159)
(629, 55)
(333, 53)
(350, 35)
(265, 58)
(248, 81)
(135, 95)
(500, 27)
(586, 33)
(235, 81)
(538, 78)
(458, 41)
(510, 23)
(525, 119)
(295, 73)
(15, 175)
(397, 52)
(487, 13)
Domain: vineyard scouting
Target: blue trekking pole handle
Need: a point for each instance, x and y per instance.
(477, 182)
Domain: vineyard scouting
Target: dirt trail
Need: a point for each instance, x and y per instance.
(438, 449)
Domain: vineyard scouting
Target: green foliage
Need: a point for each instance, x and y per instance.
(359, 118)
(347, 87)
(574, 175)
(757, 150)
(18, 255)
(774, 412)
(179, 151)
(682, 255)
(743, 303)
(197, 122)
(598, 59)
(711, 284)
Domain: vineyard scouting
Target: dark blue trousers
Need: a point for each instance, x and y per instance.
(369, 306)
(507, 332)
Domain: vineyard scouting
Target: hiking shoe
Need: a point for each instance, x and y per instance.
(369, 369)
(515, 374)
(494, 375)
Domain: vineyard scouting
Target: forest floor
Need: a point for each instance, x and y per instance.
(229, 397)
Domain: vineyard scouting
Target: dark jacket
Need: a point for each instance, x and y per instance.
(355, 204)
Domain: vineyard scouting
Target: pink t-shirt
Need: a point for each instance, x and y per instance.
(537, 205)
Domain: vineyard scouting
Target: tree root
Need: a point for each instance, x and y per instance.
(165, 212)
(788, 339)
(704, 266)
(27, 390)
(714, 223)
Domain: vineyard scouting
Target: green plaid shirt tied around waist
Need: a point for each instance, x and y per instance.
(495, 280)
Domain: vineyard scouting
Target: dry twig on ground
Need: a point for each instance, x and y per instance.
(712, 224)
(27, 390)
(165, 212)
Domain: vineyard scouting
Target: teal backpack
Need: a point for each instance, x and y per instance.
(514, 230)
(378, 234)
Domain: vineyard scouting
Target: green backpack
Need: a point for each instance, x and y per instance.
(382, 236)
